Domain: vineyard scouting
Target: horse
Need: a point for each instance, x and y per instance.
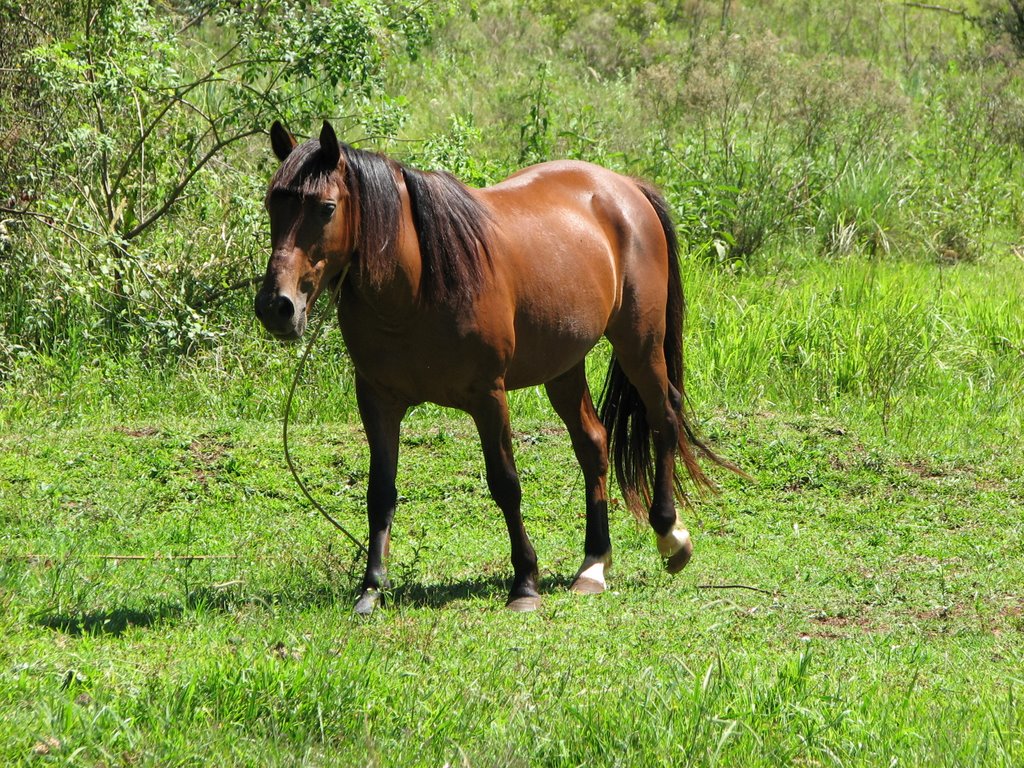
(455, 295)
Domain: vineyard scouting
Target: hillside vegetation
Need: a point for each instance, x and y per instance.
(848, 182)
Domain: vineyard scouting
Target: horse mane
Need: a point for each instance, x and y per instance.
(452, 227)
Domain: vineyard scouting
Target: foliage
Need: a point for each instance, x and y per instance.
(144, 104)
(134, 216)
(757, 122)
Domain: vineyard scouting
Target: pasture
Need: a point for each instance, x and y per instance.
(846, 182)
(859, 604)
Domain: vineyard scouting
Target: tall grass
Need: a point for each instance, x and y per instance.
(930, 355)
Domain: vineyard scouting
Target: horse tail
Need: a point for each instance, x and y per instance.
(623, 413)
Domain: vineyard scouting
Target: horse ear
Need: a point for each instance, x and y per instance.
(282, 141)
(329, 145)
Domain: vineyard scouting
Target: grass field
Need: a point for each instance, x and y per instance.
(846, 181)
(861, 603)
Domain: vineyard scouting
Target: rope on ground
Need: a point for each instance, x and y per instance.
(288, 411)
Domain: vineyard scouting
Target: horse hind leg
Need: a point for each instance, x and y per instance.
(674, 543)
(570, 397)
(660, 401)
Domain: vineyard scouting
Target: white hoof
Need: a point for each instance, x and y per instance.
(590, 579)
(676, 547)
(369, 600)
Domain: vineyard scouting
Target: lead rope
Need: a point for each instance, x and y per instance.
(288, 411)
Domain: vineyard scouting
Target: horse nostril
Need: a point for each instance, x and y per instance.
(282, 308)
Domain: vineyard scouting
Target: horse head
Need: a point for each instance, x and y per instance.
(312, 229)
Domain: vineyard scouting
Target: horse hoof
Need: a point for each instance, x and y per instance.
(587, 586)
(678, 561)
(367, 602)
(677, 548)
(590, 578)
(523, 604)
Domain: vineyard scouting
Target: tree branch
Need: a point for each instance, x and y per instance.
(48, 220)
(178, 97)
(199, 18)
(153, 124)
(101, 125)
(213, 296)
(177, 191)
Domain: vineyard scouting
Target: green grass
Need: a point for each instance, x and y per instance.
(858, 347)
(876, 403)
(889, 626)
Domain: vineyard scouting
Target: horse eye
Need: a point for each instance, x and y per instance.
(327, 209)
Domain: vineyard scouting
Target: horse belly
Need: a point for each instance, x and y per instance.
(560, 320)
(533, 365)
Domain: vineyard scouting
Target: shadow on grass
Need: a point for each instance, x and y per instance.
(495, 588)
(114, 622)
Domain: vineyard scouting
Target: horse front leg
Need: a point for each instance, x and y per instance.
(381, 418)
(491, 417)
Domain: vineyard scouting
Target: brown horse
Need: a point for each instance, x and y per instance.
(455, 295)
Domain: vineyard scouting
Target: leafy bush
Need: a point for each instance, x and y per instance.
(141, 212)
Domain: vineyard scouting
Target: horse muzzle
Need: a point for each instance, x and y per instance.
(280, 315)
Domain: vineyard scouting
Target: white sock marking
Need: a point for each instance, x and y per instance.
(594, 572)
(673, 541)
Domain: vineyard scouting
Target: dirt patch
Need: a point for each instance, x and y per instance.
(992, 484)
(832, 627)
(206, 452)
(925, 470)
(925, 563)
(941, 613)
(1013, 614)
(921, 469)
(137, 431)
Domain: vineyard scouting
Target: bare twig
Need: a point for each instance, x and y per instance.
(48, 558)
(739, 586)
(961, 12)
(212, 296)
(199, 18)
(31, 22)
(45, 218)
(101, 123)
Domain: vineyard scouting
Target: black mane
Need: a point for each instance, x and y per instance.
(452, 227)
